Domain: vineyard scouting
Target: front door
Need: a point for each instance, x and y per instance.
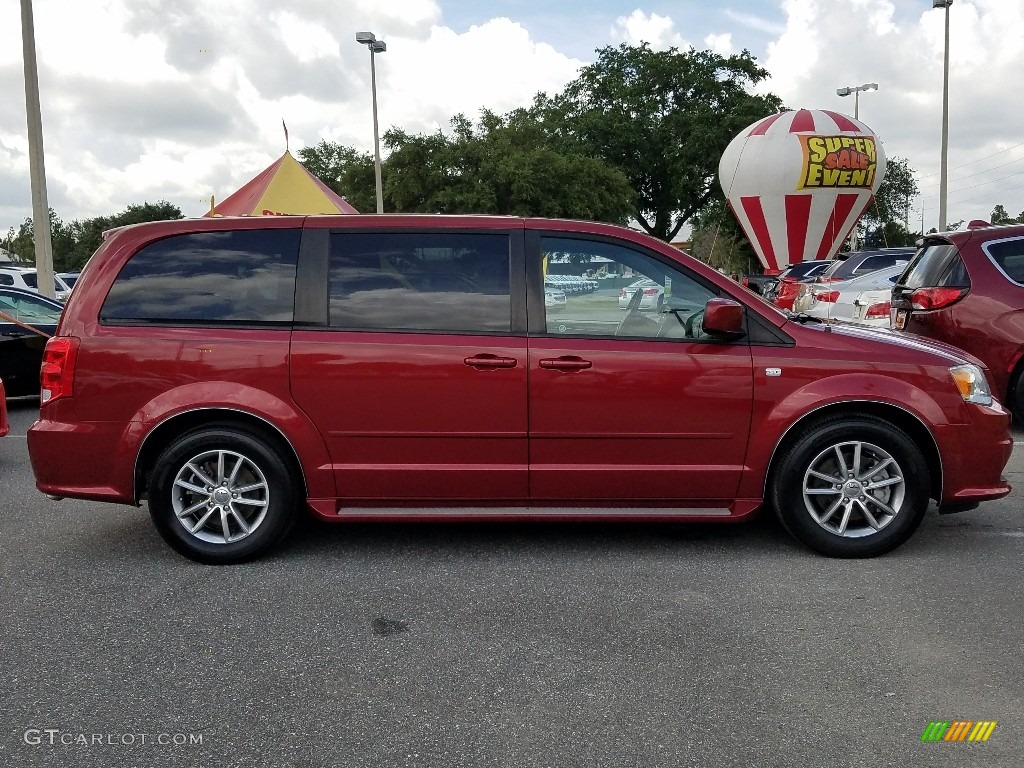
(629, 401)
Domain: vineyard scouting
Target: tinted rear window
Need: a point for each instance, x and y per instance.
(406, 281)
(245, 276)
(935, 265)
(1008, 255)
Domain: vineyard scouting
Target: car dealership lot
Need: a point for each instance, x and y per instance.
(394, 645)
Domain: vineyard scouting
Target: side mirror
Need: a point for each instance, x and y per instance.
(723, 318)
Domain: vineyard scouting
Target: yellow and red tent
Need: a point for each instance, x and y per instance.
(284, 187)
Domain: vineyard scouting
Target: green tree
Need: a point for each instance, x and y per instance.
(87, 234)
(719, 241)
(504, 165)
(74, 243)
(1000, 216)
(663, 118)
(346, 171)
(886, 215)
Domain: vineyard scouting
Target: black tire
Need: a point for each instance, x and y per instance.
(266, 496)
(900, 483)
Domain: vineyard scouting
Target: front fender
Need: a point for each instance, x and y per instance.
(774, 419)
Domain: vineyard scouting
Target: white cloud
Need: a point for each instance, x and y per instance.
(143, 100)
(829, 44)
(134, 107)
(640, 27)
(720, 44)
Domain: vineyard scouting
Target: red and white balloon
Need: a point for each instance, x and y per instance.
(798, 181)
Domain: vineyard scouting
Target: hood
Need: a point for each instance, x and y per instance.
(904, 340)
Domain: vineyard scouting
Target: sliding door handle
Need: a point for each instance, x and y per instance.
(566, 363)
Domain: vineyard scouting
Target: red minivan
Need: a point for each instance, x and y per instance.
(231, 372)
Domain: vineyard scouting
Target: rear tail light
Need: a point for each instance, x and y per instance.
(879, 310)
(622, 293)
(936, 298)
(57, 373)
(650, 291)
(828, 296)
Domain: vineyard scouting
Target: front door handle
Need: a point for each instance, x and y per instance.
(490, 361)
(566, 363)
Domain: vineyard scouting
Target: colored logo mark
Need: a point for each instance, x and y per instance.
(959, 730)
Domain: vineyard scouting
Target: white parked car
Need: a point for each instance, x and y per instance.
(25, 278)
(872, 307)
(554, 299)
(653, 296)
(834, 301)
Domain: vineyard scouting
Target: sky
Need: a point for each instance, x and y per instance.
(145, 100)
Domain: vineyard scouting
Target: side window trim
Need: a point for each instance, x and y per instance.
(311, 291)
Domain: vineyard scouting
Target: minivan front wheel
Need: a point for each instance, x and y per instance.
(851, 487)
(222, 495)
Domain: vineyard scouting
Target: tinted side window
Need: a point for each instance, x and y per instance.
(208, 277)
(405, 281)
(6, 279)
(602, 289)
(1008, 255)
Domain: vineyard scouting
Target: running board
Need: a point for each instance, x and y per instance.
(530, 512)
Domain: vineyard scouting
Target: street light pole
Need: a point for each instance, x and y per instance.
(376, 46)
(945, 118)
(855, 90)
(36, 168)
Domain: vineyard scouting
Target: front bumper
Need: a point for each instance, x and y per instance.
(974, 456)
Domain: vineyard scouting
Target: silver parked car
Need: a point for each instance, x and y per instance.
(835, 300)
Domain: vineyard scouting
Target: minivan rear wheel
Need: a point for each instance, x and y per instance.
(851, 487)
(222, 495)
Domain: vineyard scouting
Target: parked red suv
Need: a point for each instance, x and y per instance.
(967, 289)
(232, 371)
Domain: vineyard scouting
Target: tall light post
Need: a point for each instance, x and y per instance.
(376, 46)
(945, 117)
(36, 166)
(855, 90)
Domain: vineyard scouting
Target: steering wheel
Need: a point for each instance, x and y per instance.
(692, 329)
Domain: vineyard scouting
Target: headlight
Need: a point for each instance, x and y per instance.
(971, 382)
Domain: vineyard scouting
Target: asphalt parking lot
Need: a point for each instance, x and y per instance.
(503, 645)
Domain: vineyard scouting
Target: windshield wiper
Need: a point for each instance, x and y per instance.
(803, 318)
